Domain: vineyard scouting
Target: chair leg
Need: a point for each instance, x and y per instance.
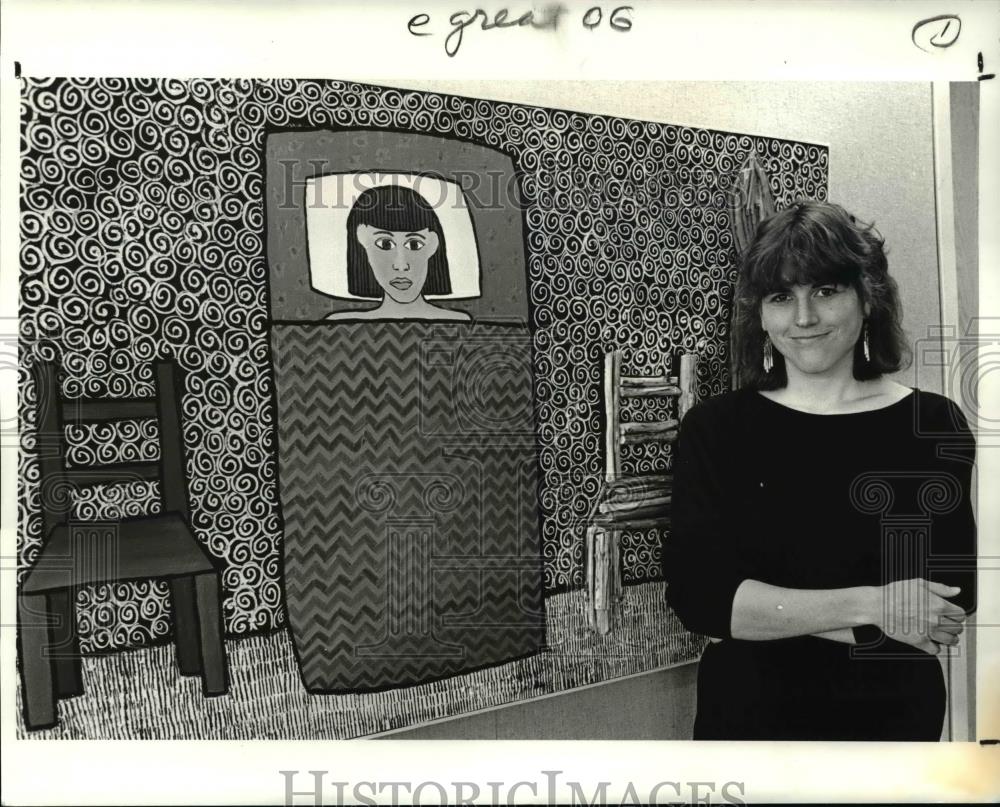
(591, 545)
(65, 648)
(37, 681)
(215, 676)
(603, 558)
(187, 637)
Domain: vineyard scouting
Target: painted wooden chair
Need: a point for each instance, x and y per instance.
(630, 502)
(161, 546)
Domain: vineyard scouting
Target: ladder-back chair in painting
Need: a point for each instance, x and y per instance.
(161, 546)
(631, 502)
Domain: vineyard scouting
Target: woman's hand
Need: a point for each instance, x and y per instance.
(916, 613)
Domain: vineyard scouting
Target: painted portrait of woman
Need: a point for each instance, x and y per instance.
(396, 250)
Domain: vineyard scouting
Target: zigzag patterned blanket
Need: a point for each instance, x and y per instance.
(408, 477)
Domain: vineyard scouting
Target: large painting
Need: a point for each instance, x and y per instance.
(386, 313)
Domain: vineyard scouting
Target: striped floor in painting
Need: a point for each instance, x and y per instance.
(138, 694)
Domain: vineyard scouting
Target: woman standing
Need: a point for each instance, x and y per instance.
(823, 530)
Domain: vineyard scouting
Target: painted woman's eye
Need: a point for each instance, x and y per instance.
(414, 244)
(777, 297)
(384, 243)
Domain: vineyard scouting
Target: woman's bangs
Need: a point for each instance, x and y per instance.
(786, 266)
(814, 273)
(396, 209)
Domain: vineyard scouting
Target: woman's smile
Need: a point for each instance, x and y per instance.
(401, 283)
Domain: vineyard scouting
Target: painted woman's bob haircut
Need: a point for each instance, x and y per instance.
(396, 209)
(814, 243)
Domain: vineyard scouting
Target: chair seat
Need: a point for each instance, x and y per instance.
(132, 549)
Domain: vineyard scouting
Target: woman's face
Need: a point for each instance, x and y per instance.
(399, 259)
(815, 327)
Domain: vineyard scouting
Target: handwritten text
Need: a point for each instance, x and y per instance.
(546, 19)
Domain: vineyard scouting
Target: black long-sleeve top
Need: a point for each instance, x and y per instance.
(800, 500)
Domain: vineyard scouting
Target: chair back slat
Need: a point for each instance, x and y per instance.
(168, 402)
(83, 410)
(645, 380)
(113, 474)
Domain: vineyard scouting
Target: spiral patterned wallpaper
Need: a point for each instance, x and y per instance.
(142, 236)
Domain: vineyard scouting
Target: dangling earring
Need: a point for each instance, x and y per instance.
(864, 343)
(768, 354)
